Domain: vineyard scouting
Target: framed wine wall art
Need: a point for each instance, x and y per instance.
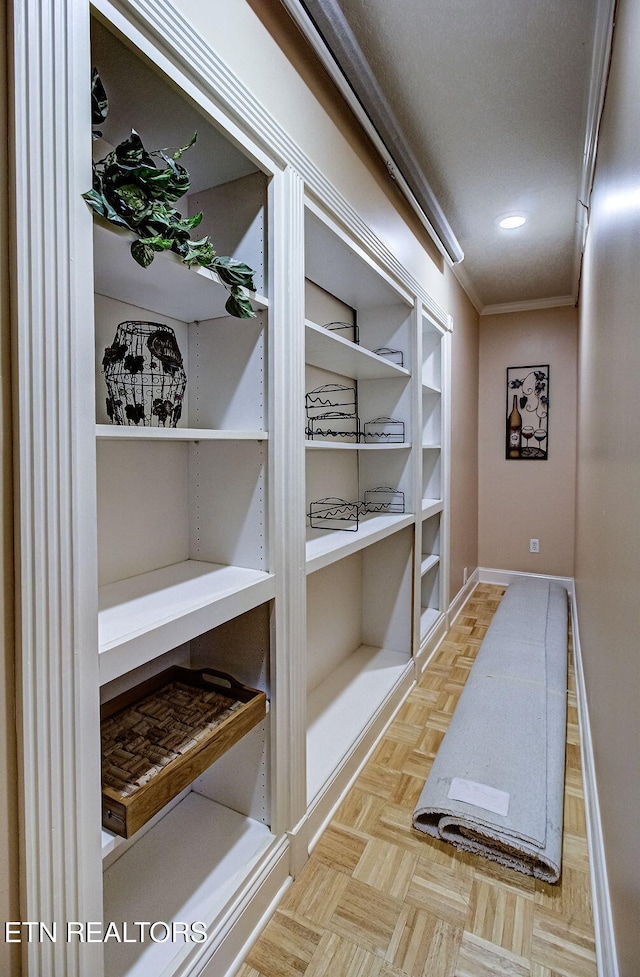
(527, 425)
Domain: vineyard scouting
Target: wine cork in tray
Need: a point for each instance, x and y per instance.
(158, 737)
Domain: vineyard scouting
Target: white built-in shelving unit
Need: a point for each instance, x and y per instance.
(183, 526)
(144, 547)
(359, 583)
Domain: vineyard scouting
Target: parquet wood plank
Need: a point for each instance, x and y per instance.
(379, 899)
(568, 948)
(246, 971)
(480, 958)
(286, 946)
(378, 780)
(386, 867)
(365, 916)
(335, 955)
(395, 825)
(409, 787)
(570, 898)
(360, 811)
(423, 944)
(317, 891)
(442, 891)
(501, 916)
(340, 848)
(391, 754)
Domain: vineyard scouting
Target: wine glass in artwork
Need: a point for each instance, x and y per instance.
(527, 434)
(540, 434)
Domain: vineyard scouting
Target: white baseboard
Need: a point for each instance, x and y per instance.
(504, 577)
(606, 956)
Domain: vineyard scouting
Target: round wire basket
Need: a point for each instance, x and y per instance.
(145, 377)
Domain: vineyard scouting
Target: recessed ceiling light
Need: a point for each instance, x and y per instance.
(511, 221)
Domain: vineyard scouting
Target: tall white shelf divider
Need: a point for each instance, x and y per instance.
(432, 407)
(144, 547)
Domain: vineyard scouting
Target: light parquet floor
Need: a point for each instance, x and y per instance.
(378, 899)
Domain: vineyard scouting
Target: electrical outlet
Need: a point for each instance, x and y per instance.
(534, 545)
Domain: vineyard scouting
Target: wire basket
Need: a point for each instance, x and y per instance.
(331, 397)
(384, 499)
(145, 377)
(334, 426)
(393, 355)
(384, 430)
(346, 330)
(334, 513)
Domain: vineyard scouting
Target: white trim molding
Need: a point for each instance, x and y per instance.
(287, 445)
(606, 956)
(504, 577)
(554, 302)
(52, 299)
(599, 76)
(327, 30)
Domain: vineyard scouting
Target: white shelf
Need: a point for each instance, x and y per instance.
(117, 432)
(326, 546)
(429, 387)
(428, 617)
(186, 868)
(336, 446)
(431, 506)
(432, 447)
(428, 563)
(336, 354)
(342, 706)
(166, 287)
(144, 616)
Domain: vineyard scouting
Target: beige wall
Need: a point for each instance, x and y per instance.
(608, 484)
(464, 439)
(520, 500)
(9, 955)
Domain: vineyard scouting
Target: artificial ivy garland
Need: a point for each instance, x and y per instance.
(131, 191)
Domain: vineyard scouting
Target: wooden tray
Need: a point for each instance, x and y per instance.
(159, 736)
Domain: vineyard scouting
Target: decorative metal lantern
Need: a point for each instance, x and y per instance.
(145, 377)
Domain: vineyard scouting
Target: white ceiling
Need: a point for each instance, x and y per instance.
(493, 106)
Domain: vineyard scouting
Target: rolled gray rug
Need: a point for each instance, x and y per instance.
(496, 787)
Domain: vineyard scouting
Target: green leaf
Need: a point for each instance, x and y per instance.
(175, 153)
(97, 201)
(131, 151)
(129, 190)
(142, 252)
(159, 243)
(233, 272)
(238, 304)
(197, 252)
(99, 100)
(168, 221)
(132, 198)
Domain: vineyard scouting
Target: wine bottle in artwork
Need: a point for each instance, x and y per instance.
(514, 431)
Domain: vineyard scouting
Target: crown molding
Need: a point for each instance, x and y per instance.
(467, 285)
(328, 32)
(554, 302)
(598, 79)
